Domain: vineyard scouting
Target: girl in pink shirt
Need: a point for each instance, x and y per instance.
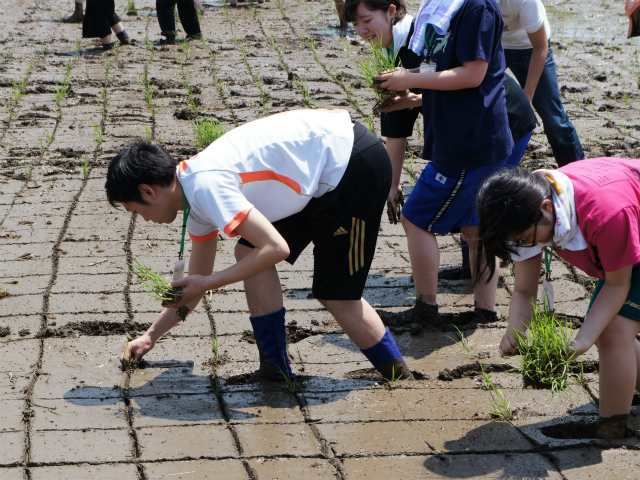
(589, 213)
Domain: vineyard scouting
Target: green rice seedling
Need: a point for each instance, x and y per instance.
(581, 378)
(544, 349)
(97, 135)
(107, 70)
(147, 134)
(79, 50)
(85, 166)
(487, 383)
(283, 13)
(393, 381)
(208, 131)
(265, 100)
(464, 343)
(283, 64)
(408, 167)
(151, 49)
(370, 124)
(292, 383)
(307, 99)
(131, 7)
(216, 388)
(377, 63)
(500, 407)
(225, 10)
(27, 170)
(60, 93)
(215, 360)
(153, 283)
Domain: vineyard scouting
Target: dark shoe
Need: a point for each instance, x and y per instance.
(124, 38)
(424, 314)
(613, 427)
(108, 46)
(482, 316)
(77, 15)
(170, 38)
(195, 36)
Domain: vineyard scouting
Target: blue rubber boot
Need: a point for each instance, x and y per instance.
(387, 359)
(271, 338)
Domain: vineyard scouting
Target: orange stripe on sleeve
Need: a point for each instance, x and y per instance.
(248, 177)
(235, 223)
(204, 238)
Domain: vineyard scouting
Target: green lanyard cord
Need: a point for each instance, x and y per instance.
(547, 261)
(430, 43)
(185, 215)
(390, 53)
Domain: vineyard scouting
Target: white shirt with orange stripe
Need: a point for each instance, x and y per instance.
(276, 164)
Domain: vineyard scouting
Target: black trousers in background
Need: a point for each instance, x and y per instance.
(186, 11)
(99, 17)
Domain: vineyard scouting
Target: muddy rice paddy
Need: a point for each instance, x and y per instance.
(68, 304)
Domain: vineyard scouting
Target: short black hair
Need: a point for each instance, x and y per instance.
(139, 163)
(351, 7)
(508, 204)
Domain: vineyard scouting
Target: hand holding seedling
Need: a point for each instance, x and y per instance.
(396, 80)
(577, 348)
(410, 100)
(135, 350)
(193, 289)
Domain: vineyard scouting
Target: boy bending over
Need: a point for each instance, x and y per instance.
(278, 183)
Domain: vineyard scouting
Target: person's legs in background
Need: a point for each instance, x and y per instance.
(166, 19)
(559, 130)
(189, 18)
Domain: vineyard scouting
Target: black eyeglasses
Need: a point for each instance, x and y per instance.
(534, 242)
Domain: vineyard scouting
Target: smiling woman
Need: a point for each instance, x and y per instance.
(386, 24)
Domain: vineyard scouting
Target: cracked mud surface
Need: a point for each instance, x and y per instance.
(68, 304)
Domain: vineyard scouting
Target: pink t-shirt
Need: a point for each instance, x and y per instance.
(607, 195)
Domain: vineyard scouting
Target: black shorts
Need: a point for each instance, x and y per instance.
(399, 124)
(343, 224)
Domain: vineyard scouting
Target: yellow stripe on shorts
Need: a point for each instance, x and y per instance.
(356, 247)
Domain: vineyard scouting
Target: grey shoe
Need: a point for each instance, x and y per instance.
(77, 15)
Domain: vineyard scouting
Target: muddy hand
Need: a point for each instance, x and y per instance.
(135, 350)
(394, 208)
(396, 80)
(193, 288)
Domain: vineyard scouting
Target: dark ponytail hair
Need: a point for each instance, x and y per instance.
(351, 6)
(508, 204)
